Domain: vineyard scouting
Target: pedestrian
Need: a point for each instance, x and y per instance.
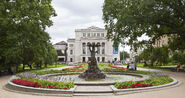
(128, 66)
(178, 67)
(135, 66)
(132, 66)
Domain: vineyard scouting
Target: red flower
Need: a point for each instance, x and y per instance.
(138, 85)
(133, 86)
(124, 87)
(65, 88)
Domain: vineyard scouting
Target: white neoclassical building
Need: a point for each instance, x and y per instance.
(79, 52)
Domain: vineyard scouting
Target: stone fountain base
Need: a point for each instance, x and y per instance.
(92, 75)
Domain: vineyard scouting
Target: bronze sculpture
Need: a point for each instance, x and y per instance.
(93, 72)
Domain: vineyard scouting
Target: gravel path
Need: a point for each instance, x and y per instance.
(176, 92)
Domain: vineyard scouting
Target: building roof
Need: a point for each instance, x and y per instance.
(92, 28)
(61, 43)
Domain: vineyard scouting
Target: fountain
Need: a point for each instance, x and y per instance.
(93, 72)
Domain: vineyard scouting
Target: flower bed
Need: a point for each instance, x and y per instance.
(115, 66)
(131, 84)
(26, 83)
(33, 80)
(153, 81)
(112, 68)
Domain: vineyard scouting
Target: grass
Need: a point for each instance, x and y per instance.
(20, 68)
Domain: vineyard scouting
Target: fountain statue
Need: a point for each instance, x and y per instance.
(93, 72)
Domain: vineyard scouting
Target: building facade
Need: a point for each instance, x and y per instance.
(79, 52)
(61, 48)
(162, 41)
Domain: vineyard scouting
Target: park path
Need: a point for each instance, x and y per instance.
(175, 92)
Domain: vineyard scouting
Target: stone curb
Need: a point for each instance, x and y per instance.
(133, 90)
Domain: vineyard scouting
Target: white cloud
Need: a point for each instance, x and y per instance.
(74, 14)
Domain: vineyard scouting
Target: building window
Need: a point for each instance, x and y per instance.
(103, 51)
(102, 34)
(70, 45)
(103, 59)
(84, 51)
(89, 58)
(98, 50)
(71, 52)
(83, 59)
(83, 44)
(94, 34)
(88, 51)
(103, 44)
(88, 35)
(71, 59)
(83, 48)
(84, 34)
(60, 52)
(98, 59)
(98, 34)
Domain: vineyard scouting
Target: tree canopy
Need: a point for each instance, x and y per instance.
(130, 19)
(23, 36)
(124, 55)
(160, 55)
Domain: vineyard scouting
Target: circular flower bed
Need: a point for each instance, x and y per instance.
(40, 81)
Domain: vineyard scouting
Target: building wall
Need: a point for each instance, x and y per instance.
(163, 41)
(91, 34)
(60, 48)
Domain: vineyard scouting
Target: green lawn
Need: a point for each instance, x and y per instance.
(168, 67)
(20, 68)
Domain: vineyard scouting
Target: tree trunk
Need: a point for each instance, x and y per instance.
(11, 70)
(30, 66)
(37, 65)
(23, 67)
(45, 65)
(16, 68)
(145, 64)
(152, 63)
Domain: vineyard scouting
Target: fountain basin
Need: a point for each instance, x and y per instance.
(111, 78)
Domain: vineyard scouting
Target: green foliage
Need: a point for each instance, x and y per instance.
(157, 54)
(159, 80)
(23, 39)
(142, 72)
(155, 81)
(179, 57)
(124, 55)
(130, 19)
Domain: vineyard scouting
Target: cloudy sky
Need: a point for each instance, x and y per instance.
(75, 14)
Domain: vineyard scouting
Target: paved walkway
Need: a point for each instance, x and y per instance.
(176, 92)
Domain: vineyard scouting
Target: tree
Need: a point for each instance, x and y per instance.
(130, 19)
(124, 55)
(160, 55)
(179, 57)
(51, 55)
(146, 56)
(22, 30)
